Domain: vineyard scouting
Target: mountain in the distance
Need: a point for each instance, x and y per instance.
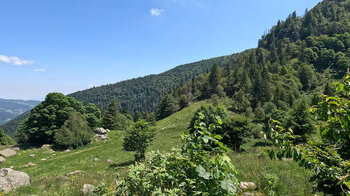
(11, 108)
(143, 94)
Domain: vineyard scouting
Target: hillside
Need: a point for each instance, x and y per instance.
(10, 108)
(143, 94)
(47, 175)
(11, 126)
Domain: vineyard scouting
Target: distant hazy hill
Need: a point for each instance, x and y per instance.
(143, 93)
(10, 108)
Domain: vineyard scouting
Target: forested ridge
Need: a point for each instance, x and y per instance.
(299, 57)
(142, 94)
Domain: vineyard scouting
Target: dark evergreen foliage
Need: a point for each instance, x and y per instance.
(143, 94)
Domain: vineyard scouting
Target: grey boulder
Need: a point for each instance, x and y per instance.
(11, 179)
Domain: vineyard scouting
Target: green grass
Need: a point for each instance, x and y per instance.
(47, 176)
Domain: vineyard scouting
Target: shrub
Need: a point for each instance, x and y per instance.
(74, 133)
(5, 139)
(199, 168)
(235, 130)
(210, 114)
(138, 138)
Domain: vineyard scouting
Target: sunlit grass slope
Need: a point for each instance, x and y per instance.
(50, 167)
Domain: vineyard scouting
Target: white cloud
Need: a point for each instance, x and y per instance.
(156, 11)
(90, 86)
(39, 70)
(13, 60)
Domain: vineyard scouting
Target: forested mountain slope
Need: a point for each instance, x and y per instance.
(142, 94)
(300, 56)
(11, 126)
(10, 108)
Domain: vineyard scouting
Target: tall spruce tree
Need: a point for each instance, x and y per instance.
(214, 79)
(110, 119)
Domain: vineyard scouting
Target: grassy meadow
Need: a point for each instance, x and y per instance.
(48, 173)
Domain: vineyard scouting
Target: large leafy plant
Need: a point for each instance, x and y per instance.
(199, 168)
(329, 159)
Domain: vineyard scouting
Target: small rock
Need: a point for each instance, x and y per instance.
(43, 159)
(100, 131)
(16, 148)
(252, 194)
(45, 146)
(101, 137)
(96, 159)
(7, 152)
(68, 150)
(287, 159)
(12, 167)
(87, 189)
(108, 130)
(77, 172)
(32, 155)
(50, 151)
(30, 164)
(247, 185)
(109, 161)
(2, 159)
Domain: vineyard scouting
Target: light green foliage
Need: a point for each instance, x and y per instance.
(329, 159)
(5, 139)
(138, 138)
(74, 133)
(210, 114)
(197, 169)
(269, 183)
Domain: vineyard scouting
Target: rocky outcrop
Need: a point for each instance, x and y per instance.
(2, 159)
(11, 179)
(7, 152)
(101, 133)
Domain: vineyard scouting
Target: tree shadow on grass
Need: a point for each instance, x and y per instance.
(122, 164)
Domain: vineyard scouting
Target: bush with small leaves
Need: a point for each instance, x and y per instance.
(74, 133)
(138, 138)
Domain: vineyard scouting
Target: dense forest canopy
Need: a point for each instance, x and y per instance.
(299, 56)
(143, 94)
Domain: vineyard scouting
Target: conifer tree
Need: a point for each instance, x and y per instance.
(110, 119)
(214, 79)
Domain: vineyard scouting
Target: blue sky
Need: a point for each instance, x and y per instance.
(69, 45)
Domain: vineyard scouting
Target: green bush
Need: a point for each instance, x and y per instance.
(5, 139)
(199, 168)
(138, 138)
(235, 130)
(48, 117)
(74, 133)
(210, 114)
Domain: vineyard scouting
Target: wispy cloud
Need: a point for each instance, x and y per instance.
(13, 60)
(39, 70)
(156, 11)
(90, 86)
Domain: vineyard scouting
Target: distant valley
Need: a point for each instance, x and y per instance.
(11, 108)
